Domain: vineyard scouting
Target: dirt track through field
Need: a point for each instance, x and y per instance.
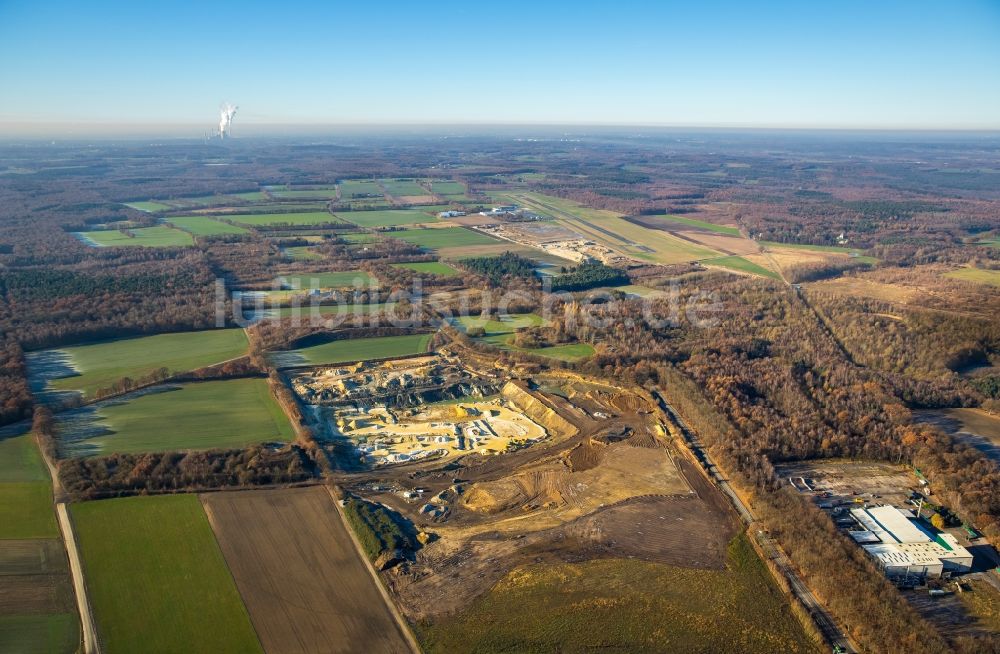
(299, 573)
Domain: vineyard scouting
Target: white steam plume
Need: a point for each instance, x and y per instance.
(226, 114)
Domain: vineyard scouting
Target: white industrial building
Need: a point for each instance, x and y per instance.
(903, 548)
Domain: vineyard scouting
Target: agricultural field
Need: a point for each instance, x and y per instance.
(301, 253)
(430, 268)
(403, 187)
(300, 218)
(47, 633)
(232, 413)
(358, 238)
(94, 366)
(626, 605)
(569, 352)
(221, 211)
(149, 207)
(446, 237)
(504, 325)
(20, 459)
(26, 510)
(447, 187)
(741, 265)
(501, 334)
(354, 349)
(37, 607)
(157, 579)
(388, 218)
(359, 189)
(160, 236)
(321, 599)
(343, 279)
(305, 194)
(25, 491)
(204, 226)
(976, 275)
(249, 196)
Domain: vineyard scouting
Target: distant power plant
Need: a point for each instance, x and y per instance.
(226, 114)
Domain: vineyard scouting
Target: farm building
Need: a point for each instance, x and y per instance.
(903, 548)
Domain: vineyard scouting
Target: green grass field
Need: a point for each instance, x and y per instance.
(742, 265)
(306, 218)
(447, 187)
(301, 253)
(148, 207)
(355, 349)
(343, 279)
(977, 275)
(445, 237)
(20, 460)
(26, 510)
(101, 364)
(569, 352)
(357, 238)
(500, 333)
(400, 187)
(249, 196)
(359, 189)
(691, 222)
(386, 218)
(306, 194)
(232, 413)
(204, 226)
(507, 325)
(157, 579)
(621, 605)
(159, 236)
(429, 268)
(54, 633)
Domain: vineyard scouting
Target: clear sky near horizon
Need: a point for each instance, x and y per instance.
(120, 66)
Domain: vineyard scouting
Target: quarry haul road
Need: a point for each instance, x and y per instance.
(824, 622)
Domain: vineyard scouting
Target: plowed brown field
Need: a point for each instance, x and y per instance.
(301, 578)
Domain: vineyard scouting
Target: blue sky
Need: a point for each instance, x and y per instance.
(906, 64)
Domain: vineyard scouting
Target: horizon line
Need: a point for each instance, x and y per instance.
(32, 130)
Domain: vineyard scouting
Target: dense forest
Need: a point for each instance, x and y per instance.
(588, 275)
(499, 268)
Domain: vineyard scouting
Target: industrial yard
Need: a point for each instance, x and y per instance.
(891, 512)
(411, 409)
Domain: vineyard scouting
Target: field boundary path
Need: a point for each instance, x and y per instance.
(822, 618)
(91, 643)
(400, 620)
